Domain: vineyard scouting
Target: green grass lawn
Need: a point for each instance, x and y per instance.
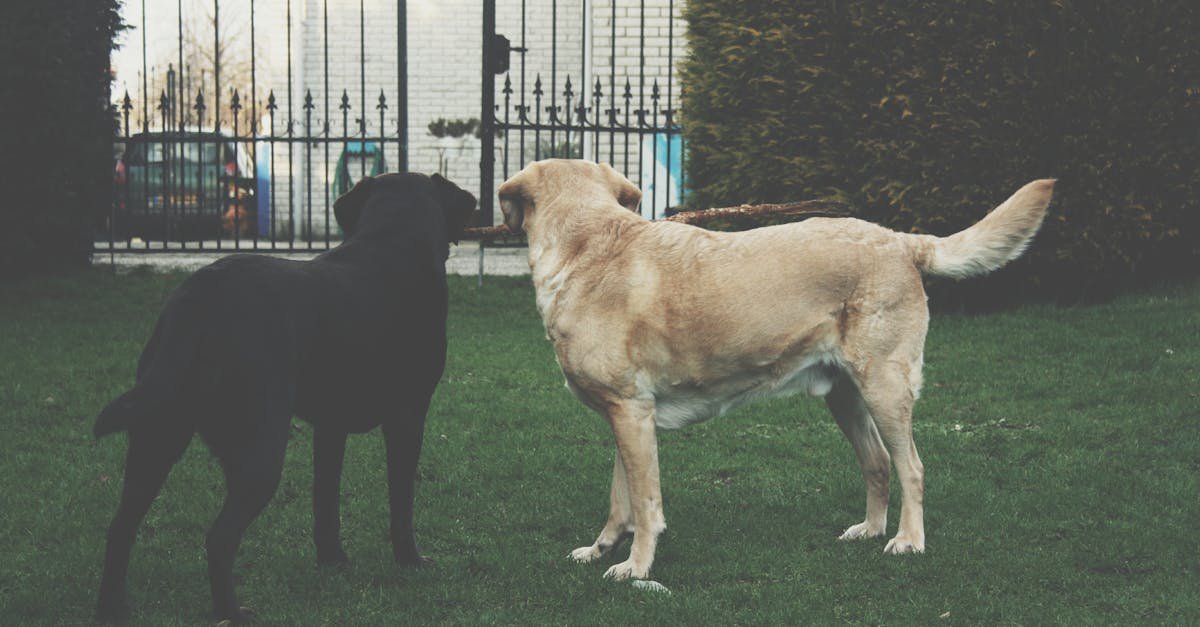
(1061, 448)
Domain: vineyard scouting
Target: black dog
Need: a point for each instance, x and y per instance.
(351, 340)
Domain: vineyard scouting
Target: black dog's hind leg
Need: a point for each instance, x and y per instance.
(151, 454)
(403, 438)
(252, 471)
(329, 449)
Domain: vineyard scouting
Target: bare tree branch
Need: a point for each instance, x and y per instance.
(747, 216)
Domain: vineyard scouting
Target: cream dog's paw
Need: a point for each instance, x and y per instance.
(626, 570)
(650, 586)
(585, 554)
(903, 544)
(860, 531)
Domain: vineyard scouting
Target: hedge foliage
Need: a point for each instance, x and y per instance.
(926, 114)
(59, 129)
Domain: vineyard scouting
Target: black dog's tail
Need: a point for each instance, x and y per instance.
(163, 369)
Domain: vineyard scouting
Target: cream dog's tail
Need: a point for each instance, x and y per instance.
(997, 239)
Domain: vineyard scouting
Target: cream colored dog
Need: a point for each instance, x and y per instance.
(659, 324)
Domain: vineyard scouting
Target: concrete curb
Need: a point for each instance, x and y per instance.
(463, 261)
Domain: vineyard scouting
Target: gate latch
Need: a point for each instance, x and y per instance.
(501, 48)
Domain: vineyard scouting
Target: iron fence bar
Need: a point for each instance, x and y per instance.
(597, 94)
(181, 106)
(523, 112)
(178, 146)
(271, 107)
(200, 199)
(507, 136)
(537, 115)
(567, 108)
(308, 144)
(167, 168)
(586, 17)
(220, 198)
(363, 85)
(382, 106)
(325, 56)
(581, 110)
(553, 71)
(401, 85)
(641, 100)
(145, 136)
(345, 107)
(254, 128)
(216, 68)
(362, 70)
(670, 84)
(487, 117)
(627, 97)
(145, 128)
(612, 78)
(290, 119)
(235, 107)
(654, 143)
(126, 106)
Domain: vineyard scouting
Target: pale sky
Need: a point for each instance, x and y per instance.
(162, 32)
(162, 29)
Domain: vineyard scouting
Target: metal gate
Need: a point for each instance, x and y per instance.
(592, 79)
(242, 120)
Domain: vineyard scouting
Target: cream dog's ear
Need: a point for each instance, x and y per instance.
(626, 193)
(516, 199)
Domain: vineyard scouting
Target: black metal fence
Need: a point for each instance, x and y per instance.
(212, 158)
(224, 146)
(561, 102)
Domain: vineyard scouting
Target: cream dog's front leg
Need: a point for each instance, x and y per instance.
(620, 518)
(637, 446)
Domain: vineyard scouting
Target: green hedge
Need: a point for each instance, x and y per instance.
(924, 115)
(58, 142)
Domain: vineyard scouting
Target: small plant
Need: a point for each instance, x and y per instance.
(442, 127)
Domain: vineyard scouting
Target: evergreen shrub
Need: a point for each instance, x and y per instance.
(57, 154)
(925, 114)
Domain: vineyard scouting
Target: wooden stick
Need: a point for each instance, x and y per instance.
(740, 214)
(486, 232)
(802, 209)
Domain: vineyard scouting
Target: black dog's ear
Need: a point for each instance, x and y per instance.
(458, 205)
(348, 206)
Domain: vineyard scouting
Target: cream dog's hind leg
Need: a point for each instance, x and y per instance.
(620, 517)
(889, 396)
(850, 411)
